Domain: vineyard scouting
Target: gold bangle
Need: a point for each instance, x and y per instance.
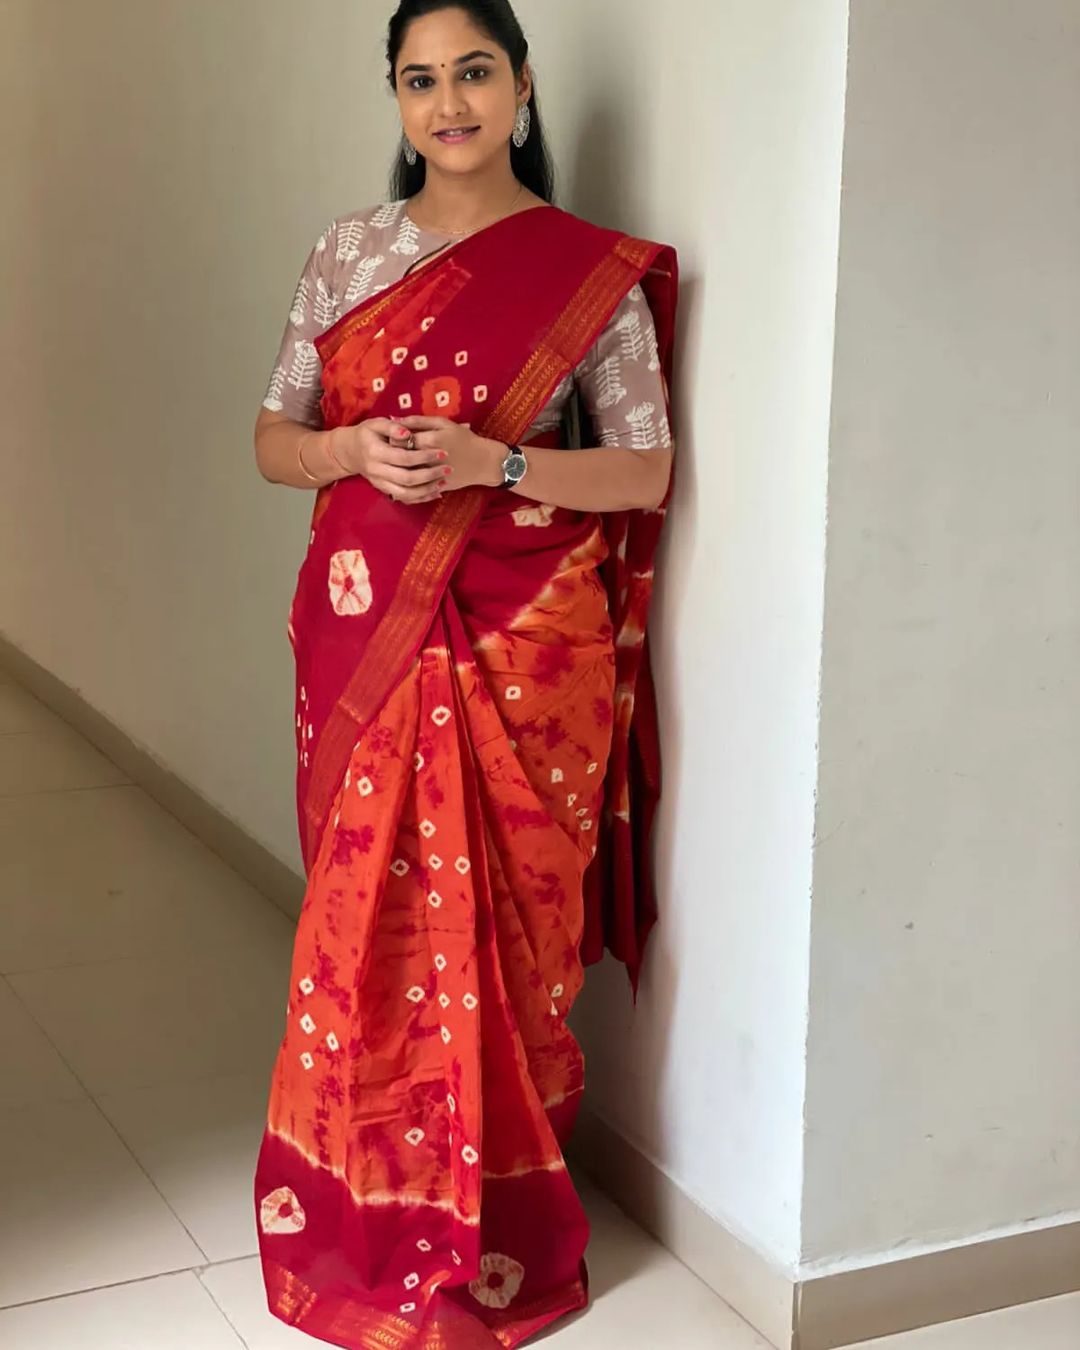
(303, 467)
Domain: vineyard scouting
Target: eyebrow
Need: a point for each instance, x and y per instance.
(461, 61)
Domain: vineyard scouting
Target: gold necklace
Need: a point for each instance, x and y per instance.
(464, 234)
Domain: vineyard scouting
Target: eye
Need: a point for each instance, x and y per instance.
(421, 82)
(476, 71)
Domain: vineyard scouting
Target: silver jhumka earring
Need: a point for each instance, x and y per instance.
(522, 126)
(410, 151)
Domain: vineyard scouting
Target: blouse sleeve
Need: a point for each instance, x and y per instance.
(621, 383)
(295, 387)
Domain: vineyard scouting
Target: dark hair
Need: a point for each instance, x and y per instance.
(532, 163)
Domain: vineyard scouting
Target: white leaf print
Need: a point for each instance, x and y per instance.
(387, 215)
(327, 309)
(636, 294)
(665, 432)
(305, 366)
(643, 434)
(610, 389)
(408, 241)
(610, 437)
(320, 247)
(362, 279)
(298, 313)
(653, 347)
(633, 340)
(275, 391)
(349, 235)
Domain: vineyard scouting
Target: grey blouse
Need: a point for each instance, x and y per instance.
(358, 255)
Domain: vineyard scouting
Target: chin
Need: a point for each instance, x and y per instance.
(466, 160)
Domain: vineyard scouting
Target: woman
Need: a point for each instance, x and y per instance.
(474, 716)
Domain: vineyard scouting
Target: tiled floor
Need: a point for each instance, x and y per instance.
(129, 1122)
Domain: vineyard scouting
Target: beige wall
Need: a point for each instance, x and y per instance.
(174, 163)
(945, 1029)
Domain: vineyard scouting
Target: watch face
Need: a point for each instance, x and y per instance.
(514, 467)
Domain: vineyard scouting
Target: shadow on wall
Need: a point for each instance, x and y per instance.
(631, 1049)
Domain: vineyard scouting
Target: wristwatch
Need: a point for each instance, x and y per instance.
(514, 467)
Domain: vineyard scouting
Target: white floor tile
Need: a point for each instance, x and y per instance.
(170, 1312)
(78, 1212)
(145, 1022)
(96, 876)
(31, 1071)
(199, 1143)
(1051, 1325)
(52, 759)
(20, 711)
(642, 1298)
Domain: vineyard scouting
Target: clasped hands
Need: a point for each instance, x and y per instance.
(418, 459)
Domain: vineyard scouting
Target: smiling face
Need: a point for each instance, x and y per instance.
(457, 92)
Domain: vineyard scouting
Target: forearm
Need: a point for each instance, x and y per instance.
(591, 480)
(285, 449)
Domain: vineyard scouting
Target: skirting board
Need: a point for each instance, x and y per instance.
(835, 1310)
(223, 835)
(821, 1314)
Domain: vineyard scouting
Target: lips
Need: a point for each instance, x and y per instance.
(457, 136)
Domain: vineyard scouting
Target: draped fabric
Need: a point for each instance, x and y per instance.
(474, 726)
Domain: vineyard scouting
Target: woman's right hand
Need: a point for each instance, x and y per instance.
(383, 452)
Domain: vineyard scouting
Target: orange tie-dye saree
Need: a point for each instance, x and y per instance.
(475, 725)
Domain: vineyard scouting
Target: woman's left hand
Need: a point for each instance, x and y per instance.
(472, 460)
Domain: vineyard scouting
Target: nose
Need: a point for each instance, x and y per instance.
(452, 103)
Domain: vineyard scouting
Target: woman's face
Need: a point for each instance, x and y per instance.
(457, 92)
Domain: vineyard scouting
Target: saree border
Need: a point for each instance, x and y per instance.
(447, 533)
(294, 1302)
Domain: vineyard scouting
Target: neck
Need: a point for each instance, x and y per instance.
(457, 202)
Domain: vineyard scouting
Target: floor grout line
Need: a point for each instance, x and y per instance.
(210, 1294)
(97, 1288)
(101, 1112)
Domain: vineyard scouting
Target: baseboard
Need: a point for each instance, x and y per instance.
(945, 1286)
(832, 1311)
(761, 1294)
(223, 835)
(826, 1313)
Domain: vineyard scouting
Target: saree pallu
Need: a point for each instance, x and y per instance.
(474, 726)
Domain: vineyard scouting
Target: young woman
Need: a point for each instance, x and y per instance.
(475, 725)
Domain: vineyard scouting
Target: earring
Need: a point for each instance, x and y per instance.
(522, 126)
(410, 151)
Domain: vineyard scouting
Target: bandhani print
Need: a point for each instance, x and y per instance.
(477, 769)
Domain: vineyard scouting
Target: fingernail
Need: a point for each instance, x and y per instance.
(447, 472)
(443, 454)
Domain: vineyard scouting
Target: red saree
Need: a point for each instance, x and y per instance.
(475, 725)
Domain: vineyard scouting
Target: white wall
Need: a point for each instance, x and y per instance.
(945, 1033)
(175, 162)
(718, 127)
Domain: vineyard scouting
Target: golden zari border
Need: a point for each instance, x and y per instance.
(293, 1301)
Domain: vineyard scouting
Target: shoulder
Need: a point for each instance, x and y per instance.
(341, 236)
(570, 231)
